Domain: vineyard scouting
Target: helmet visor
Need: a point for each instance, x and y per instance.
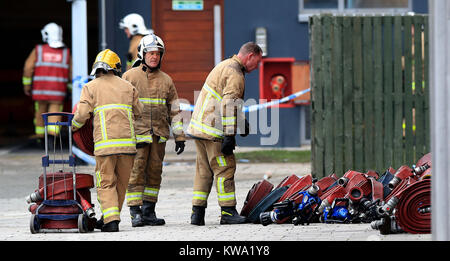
(101, 65)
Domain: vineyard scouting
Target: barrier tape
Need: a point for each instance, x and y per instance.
(80, 81)
(189, 107)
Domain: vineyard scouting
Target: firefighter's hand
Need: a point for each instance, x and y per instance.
(27, 90)
(246, 130)
(228, 145)
(179, 147)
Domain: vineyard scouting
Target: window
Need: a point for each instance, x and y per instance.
(342, 7)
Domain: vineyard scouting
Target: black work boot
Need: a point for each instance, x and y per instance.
(231, 216)
(112, 226)
(198, 215)
(149, 215)
(99, 224)
(136, 216)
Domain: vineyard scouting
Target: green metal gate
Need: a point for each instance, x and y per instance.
(369, 84)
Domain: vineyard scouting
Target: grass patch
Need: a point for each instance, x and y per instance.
(271, 156)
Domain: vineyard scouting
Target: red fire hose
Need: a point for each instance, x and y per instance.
(83, 137)
(411, 213)
(62, 186)
(298, 185)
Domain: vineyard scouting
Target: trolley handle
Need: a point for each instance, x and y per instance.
(62, 123)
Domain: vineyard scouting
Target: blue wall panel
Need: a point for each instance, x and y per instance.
(286, 37)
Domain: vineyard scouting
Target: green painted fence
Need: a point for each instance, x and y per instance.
(369, 92)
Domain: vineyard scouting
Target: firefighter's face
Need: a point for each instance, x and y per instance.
(152, 58)
(252, 61)
(127, 32)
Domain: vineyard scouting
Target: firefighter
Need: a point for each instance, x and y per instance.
(134, 27)
(46, 76)
(214, 124)
(160, 116)
(115, 105)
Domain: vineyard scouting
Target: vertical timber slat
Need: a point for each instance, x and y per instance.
(398, 94)
(348, 93)
(369, 91)
(387, 83)
(358, 94)
(337, 79)
(327, 97)
(378, 94)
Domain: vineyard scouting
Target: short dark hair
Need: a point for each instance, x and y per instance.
(250, 47)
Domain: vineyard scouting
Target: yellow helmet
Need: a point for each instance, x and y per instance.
(108, 61)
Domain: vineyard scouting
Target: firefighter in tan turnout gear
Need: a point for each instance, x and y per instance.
(115, 105)
(216, 119)
(134, 27)
(46, 75)
(161, 112)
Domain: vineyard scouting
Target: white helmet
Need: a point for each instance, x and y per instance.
(52, 34)
(135, 24)
(149, 43)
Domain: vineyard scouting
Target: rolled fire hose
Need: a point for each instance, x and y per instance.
(325, 183)
(83, 137)
(373, 174)
(288, 181)
(328, 197)
(360, 190)
(297, 186)
(61, 186)
(413, 208)
(377, 190)
(258, 191)
(402, 173)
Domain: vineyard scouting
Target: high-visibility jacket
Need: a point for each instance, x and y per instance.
(218, 109)
(50, 73)
(115, 105)
(161, 106)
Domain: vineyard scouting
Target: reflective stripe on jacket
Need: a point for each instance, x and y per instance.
(161, 113)
(219, 105)
(51, 73)
(115, 105)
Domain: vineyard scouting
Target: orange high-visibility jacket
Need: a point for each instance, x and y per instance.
(48, 70)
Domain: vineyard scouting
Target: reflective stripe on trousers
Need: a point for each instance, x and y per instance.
(200, 195)
(221, 195)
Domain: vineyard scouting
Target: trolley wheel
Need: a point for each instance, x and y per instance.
(34, 224)
(82, 227)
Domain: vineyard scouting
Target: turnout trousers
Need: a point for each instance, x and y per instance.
(145, 179)
(212, 166)
(44, 107)
(112, 172)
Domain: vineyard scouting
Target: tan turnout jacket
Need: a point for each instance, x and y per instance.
(161, 106)
(218, 109)
(115, 105)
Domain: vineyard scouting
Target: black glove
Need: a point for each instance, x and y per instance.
(247, 129)
(228, 144)
(140, 145)
(179, 147)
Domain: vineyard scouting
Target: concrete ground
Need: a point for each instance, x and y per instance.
(20, 169)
